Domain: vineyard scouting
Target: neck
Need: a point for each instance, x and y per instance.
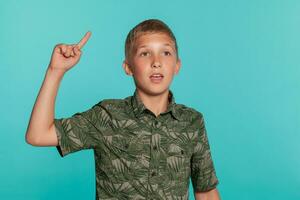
(155, 103)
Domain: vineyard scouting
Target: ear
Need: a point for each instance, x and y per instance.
(127, 68)
(177, 67)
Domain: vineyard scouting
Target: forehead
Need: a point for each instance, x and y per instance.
(148, 39)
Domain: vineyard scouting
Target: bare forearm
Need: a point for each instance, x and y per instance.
(210, 195)
(42, 115)
(41, 130)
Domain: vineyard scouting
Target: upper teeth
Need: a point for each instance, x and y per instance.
(156, 75)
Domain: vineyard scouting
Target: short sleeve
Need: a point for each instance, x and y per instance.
(80, 131)
(203, 173)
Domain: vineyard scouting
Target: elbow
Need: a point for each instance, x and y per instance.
(31, 140)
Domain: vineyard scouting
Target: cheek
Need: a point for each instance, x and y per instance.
(171, 62)
(140, 67)
(139, 72)
(172, 67)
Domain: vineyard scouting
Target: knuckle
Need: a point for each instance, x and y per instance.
(58, 46)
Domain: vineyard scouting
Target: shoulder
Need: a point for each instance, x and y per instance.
(187, 113)
(111, 105)
(115, 108)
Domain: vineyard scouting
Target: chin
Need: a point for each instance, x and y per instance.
(154, 91)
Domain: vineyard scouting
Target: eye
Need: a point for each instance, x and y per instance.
(144, 53)
(167, 53)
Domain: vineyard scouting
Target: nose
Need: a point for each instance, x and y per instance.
(156, 63)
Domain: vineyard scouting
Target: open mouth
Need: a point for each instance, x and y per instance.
(156, 77)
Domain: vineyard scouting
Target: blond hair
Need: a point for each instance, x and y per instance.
(145, 27)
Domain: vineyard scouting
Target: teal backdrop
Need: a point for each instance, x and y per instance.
(240, 68)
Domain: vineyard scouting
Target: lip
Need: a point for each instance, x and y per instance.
(156, 77)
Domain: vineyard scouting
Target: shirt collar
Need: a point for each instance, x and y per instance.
(139, 107)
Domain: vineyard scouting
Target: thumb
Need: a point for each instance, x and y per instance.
(77, 51)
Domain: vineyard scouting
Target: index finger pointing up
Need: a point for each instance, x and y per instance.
(84, 40)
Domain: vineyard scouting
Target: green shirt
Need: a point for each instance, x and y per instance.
(139, 155)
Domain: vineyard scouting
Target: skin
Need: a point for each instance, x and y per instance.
(41, 129)
(151, 56)
(156, 53)
(153, 53)
(64, 56)
(210, 195)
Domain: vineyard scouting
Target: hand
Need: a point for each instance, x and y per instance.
(64, 56)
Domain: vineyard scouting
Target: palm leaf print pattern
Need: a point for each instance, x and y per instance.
(139, 155)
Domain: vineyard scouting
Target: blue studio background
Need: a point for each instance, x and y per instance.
(240, 68)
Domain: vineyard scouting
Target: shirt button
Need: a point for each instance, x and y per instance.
(153, 174)
(156, 123)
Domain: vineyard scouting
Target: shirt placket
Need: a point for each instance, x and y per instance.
(153, 173)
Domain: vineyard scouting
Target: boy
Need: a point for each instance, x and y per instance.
(145, 146)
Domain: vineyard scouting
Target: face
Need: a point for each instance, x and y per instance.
(153, 63)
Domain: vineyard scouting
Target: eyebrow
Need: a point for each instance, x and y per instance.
(166, 44)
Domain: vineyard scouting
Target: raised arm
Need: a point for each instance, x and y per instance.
(41, 129)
